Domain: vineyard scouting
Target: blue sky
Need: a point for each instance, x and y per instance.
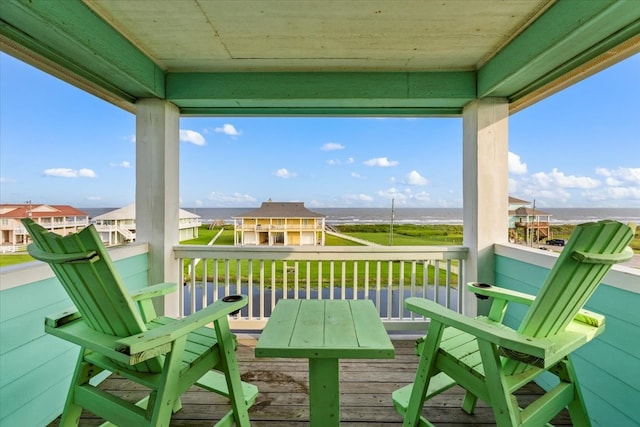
(59, 145)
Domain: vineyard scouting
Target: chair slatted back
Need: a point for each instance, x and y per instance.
(571, 282)
(92, 282)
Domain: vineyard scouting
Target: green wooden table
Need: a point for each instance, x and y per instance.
(324, 332)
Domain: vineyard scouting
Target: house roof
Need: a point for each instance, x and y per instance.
(129, 212)
(513, 200)
(523, 211)
(348, 57)
(17, 211)
(281, 210)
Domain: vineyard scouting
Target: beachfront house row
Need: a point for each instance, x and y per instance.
(61, 219)
(477, 63)
(118, 226)
(527, 223)
(279, 223)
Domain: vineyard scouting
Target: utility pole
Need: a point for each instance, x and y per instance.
(393, 215)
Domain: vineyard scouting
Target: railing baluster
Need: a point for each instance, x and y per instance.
(320, 280)
(295, 279)
(331, 268)
(261, 289)
(355, 280)
(308, 287)
(284, 280)
(389, 289)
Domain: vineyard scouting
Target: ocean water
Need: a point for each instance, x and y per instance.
(338, 216)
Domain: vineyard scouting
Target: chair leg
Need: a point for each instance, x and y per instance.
(425, 371)
(469, 402)
(227, 345)
(504, 405)
(81, 375)
(163, 400)
(577, 408)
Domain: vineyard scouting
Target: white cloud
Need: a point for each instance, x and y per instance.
(382, 162)
(332, 146)
(558, 179)
(414, 178)
(94, 198)
(228, 129)
(235, 199)
(393, 193)
(192, 137)
(356, 175)
(70, 173)
(360, 197)
(620, 176)
(350, 160)
(422, 196)
(333, 162)
(6, 180)
(284, 173)
(123, 164)
(515, 164)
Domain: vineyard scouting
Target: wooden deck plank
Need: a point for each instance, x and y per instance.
(366, 387)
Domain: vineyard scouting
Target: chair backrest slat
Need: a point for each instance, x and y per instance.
(570, 282)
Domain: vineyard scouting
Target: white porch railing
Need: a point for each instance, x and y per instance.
(386, 275)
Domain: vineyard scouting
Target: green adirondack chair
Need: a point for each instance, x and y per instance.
(492, 361)
(120, 332)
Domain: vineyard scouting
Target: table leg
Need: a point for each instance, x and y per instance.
(324, 393)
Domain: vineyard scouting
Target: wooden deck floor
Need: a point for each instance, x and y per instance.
(366, 387)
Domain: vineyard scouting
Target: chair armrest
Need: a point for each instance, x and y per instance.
(497, 292)
(546, 351)
(166, 334)
(78, 332)
(153, 291)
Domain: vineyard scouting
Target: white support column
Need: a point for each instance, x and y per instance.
(485, 189)
(157, 191)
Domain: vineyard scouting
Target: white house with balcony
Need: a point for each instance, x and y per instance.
(61, 219)
(118, 227)
(526, 222)
(280, 223)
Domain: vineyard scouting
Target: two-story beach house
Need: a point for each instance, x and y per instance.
(279, 223)
(118, 227)
(61, 219)
(526, 222)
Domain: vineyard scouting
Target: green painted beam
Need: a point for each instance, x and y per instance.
(321, 111)
(569, 34)
(324, 92)
(70, 34)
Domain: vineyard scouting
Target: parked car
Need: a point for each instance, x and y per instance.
(556, 242)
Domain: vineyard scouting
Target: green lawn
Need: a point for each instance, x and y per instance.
(13, 259)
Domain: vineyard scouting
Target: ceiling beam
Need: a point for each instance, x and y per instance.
(71, 35)
(440, 93)
(569, 34)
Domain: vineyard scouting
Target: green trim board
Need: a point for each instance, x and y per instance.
(59, 32)
(604, 364)
(569, 34)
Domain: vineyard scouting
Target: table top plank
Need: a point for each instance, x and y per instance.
(337, 329)
(309, 326)
(281, 324)
(369, 329)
